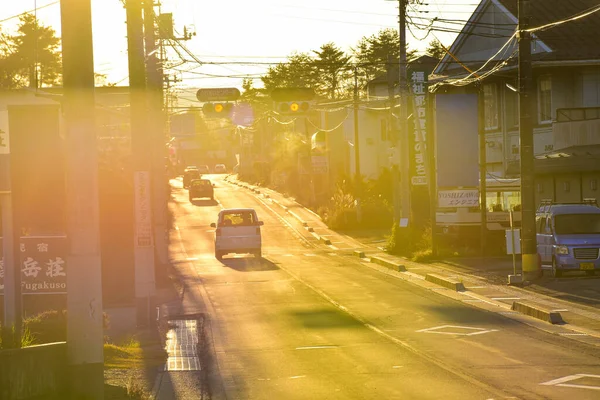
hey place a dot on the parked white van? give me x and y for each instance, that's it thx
(237, 231)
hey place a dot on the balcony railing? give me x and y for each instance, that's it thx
(576, 127)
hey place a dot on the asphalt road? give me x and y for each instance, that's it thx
(308, 322)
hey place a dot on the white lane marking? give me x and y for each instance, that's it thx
(397, 366)
(288, 255)
(297, 377)
(316, 347)
(310, 255)
(191, 259)
(477, 331)
(562, 381)
(562, 310)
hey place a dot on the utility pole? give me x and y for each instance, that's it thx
(528, 238)
(358, 185)
(403, 125)
(84, 281)
(482, 169)
(393, 132)
(156, 131)
(141, 148)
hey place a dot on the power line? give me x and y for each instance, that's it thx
(29, 12)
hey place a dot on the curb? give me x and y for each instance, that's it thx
(388, 263)
(552, 317)
(324, 240)
(445, 282)
(359, 254)
(293, 214)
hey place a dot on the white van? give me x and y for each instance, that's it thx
(237, 231)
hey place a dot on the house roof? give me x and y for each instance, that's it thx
(571, 41)
(575, 40)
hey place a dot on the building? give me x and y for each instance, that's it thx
(566, 76)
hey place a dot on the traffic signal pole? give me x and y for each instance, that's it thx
(528, 236)
(141, 147)
(84, 281)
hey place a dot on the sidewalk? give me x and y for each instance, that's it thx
(476, 280)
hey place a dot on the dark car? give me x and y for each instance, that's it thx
(201, 188)
(189, 174)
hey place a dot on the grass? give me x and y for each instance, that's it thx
(133, 354)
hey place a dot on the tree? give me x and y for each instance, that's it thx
(436, 49)
(31, 57)
(372, 52)
(298, 71)
(333, 69)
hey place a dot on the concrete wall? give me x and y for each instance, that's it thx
(34, 372)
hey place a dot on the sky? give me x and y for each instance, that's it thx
(250, 34)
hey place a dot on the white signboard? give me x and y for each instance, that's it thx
(319, 164)
(513, 236)
(458, 198)
(4, 139)
(143, 216)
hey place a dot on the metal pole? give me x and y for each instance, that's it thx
(84, 281)
(141, 147)
(156, 130)
(528, 238)
(482, 171)
(404, 151)
(512, 240)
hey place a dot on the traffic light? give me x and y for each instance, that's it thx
(293, 107)
(217, 110)
(292, 100)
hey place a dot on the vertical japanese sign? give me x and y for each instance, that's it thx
(43, 265)
(143, 219)
(4, 137)
(418, 136)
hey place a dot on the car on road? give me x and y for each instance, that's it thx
(200, 188)
(204, 169)
(189, 174)
(237, 231)
(220, 169)
(568, 236)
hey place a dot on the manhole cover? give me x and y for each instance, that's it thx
(182, 341)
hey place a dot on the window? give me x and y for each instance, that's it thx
(490, 106)
(238, 218)
(544, 99)
(511, 103)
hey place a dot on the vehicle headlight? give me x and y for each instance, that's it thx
(562, 250)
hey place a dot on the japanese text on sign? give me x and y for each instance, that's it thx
(143, 231)
(42, 265)
(458, 198)
(419, 139)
